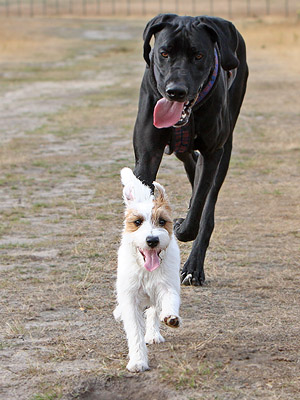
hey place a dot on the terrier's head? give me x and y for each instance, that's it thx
(148, 224)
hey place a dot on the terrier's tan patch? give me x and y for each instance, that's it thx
(162, 210)
(133, 220)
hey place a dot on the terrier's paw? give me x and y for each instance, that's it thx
(117, 314)
(172, 321)
(153, 338)
(137, 366)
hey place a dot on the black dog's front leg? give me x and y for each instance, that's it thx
(188, 228)
(149, 142)
(147, 165)
(193, 270)
(148, 153)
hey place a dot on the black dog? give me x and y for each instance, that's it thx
(190, 98)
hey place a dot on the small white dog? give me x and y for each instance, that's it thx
(148, 269)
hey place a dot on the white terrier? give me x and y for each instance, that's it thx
(148, 269)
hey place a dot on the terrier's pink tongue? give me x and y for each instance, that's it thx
(151, 260)
(167, 113)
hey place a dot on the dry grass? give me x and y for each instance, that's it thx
(68, 108)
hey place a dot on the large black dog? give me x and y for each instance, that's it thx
(190, 98)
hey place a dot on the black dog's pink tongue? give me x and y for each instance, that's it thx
(151, 260)
(167, 113)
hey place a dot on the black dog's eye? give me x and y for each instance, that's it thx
(162, 222)
(138, 222)
(164, 54)
(198, 56)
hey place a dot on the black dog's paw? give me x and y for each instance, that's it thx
(181, 232)
(177, 226)
(186, 279)
(189, 278)
(177, 222)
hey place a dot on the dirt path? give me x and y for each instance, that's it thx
(69, 91)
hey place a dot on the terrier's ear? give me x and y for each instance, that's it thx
(134, 189)
(128, 194)
(160, 193)
(127, 176)
(128, 191)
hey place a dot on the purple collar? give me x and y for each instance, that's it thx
(204, 92)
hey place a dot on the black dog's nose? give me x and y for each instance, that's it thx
(176, 92)
(152, 241)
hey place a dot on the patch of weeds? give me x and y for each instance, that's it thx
(32, 280)
(266, 171)
(58, 131)
(15, 329)
(275, 192)
(87, 249)
(82, 275)
(39, 205)
(41, 130)
(56, 220)
(41, 164)
(8, 246)
(20, 270)
(243, 263)
(87, 167)
(69, 174)
(230, 389)
(187, 376)
(5, 284)
(94, 255)
(241, 163)
(65, 132)
(47, 396)
(13, 214)
(4, 229)
(101, 217)
(186, 381)
(63, 352)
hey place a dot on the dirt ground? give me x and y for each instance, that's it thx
(69, 91)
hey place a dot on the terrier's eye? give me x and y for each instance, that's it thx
(162, 222)
(164, 54)
(138, 222)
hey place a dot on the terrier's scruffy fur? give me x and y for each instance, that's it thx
(148, 269)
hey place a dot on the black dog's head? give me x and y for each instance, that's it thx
(183, 59)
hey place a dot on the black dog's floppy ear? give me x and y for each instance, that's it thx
(153, 26)
(225, 34)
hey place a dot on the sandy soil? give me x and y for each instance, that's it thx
(69, 91)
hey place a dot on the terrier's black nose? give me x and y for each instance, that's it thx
(152, 241)
(176, 92)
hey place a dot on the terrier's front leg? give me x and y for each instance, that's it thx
(152, 327)
(170, 308)
(134, 326)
